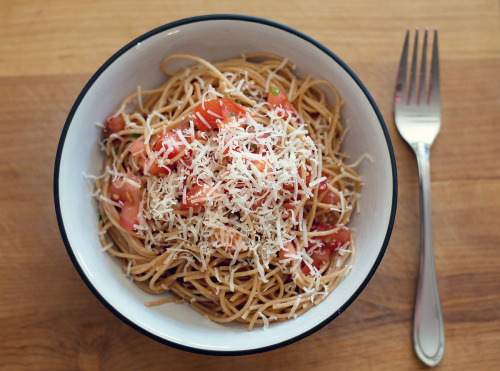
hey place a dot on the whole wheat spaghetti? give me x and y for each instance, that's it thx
(226, 187)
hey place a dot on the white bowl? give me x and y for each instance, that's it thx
(216, 37)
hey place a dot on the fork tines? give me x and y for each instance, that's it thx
(407, 91)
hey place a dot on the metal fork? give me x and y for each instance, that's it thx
(418, 119)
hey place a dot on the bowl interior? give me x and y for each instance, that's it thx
(138, 64)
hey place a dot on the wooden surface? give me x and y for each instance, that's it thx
(50, 320)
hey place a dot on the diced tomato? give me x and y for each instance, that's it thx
(154, 168)
(122, 189)
(320, 257)
(125, 191)
(196, 196)
(325, 195)
(322, 186)
(113, 125)
(334, 240)
(277, 98)
(287, 250)
(329, 198)
(129, 215)
(117, 191)
(186, 161)
(216, 111)
(171, 143)
(137, 146)
(231, 110)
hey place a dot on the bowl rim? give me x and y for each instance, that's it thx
(132, 44)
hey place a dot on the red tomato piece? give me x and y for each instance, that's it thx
(186, 161)
(127, 192)
(330, 198)
(287, 106)
(196, 197)
(154, 168)
(137, 146)
(207, 115)
(334, 240)
(287, 250)
(320, 257)
(277, 98)
(117, 191)
(129, 216)
(325, 195)
(134, 193)
(113, 125)
(123, 190)
(171, 144)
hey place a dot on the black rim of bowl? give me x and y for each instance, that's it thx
(202, 19)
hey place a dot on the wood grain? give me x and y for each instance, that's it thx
(49, 320)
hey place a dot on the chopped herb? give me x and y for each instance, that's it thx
(196, 128)
(100, 217)
(107, 217)
(135, 135)
(254, 146)
(274, 91)
(231, 114)
(116, 150)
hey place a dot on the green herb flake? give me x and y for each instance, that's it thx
(100, 217)
(274, 91)
(231, 114)
(135, 135)
(116, 150)
(254, 146)
(196, 128)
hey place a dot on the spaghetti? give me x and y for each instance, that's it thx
(226, 187)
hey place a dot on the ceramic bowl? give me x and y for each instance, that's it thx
(216, 37)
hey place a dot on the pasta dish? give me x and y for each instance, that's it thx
(226, 187)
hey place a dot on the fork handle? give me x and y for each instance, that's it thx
(428, 331)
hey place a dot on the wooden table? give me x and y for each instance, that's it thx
(50, 320)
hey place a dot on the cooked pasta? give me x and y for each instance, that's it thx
(226, 188)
